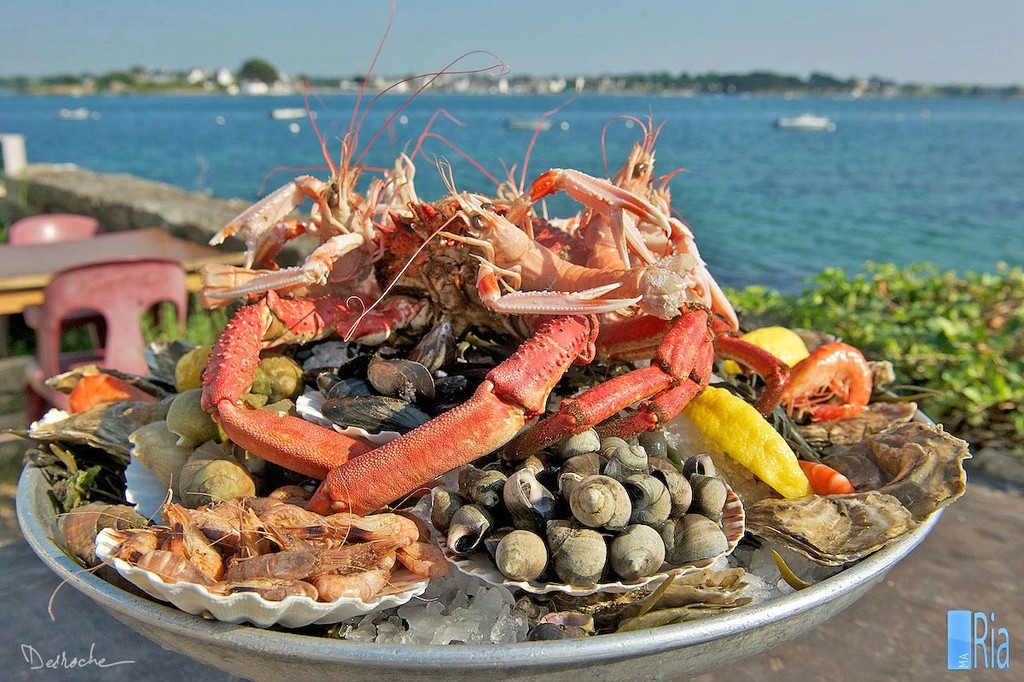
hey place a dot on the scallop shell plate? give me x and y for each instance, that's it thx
(480, 565)
(290, 612)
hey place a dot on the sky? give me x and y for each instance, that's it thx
(922, 41)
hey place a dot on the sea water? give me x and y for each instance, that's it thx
(900, 180)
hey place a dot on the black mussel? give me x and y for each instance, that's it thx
(403, 379)
(374, 413)
(354, 368)
(345, 388)
(452, 388)
(437, 348)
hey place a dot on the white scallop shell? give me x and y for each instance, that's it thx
(291, 612)
(479, 564)
(308, 405)
(144, 489)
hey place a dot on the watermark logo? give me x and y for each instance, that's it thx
(974, 641)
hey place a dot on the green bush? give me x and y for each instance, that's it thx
(960, 337)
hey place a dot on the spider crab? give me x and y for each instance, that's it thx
(388, 261)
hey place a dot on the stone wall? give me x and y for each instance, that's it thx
(119, 202)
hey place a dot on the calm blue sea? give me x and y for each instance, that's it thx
(907, 181)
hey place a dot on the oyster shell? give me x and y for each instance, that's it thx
(918, 464)
(831, 530)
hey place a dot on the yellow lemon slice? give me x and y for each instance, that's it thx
(734, 427)
(783, 343)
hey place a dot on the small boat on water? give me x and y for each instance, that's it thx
(530, 124)
(806, 122)
(77, 114)
(290, 113)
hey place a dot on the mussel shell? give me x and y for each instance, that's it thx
(436, 348)
(451, 388)
(530, 504)
(470, 524)
(637, 552)
(692, 538)
(579, 555)
(650, 500)
(624, 460)
(374, 413)
(403, 379)
(521, 555)
(443, 505)
(580, 444)
(482, 486)
(344, 388)
(709, 495)
(600, 502)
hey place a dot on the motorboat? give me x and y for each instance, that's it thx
(290, 113)
(806, 122)
(77, 114)
(530, 124)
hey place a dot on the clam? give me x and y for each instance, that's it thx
(469, 525)
(699, 464)
(483, 486)
(578, 554)
(692, 538)
(709, 495)
(374, 413)
(833, 529)
(637, 552)
(530, 504)
(651, 503)
(443, 505)
(211, 474)
(600, 502)
(680, 493)
(580, 444)
(562, 625)
(623, 459)
(403, 379)
(521, 555)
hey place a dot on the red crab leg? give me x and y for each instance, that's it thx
(681, 358)
(513, 392)
(288, 441)
(766, 365)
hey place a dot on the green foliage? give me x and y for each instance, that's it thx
(201, 325)
(257, 69)
(960, 336)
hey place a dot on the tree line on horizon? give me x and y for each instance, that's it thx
(753, 82)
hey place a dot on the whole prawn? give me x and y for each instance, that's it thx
(833, 382)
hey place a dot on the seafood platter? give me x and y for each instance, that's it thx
(467, 422)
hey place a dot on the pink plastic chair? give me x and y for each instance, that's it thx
(52, 227)
(55, 227)
(120, 291)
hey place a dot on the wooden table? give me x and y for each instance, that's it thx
(26, 269)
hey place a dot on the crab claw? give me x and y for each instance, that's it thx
(512, 393)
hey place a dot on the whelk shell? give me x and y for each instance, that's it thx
(521, 555)
(469, 525)
(637, 552)
(483, 486)
(623, 459)
(600, 502)
(530, 504)
(579, 554)
(651, 504)
(692, 538)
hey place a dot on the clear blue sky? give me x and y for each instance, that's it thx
(927, 41)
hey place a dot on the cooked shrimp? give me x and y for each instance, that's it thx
(834, 371)
(364, 585)
(825, 480)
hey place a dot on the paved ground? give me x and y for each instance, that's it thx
(897, 632)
